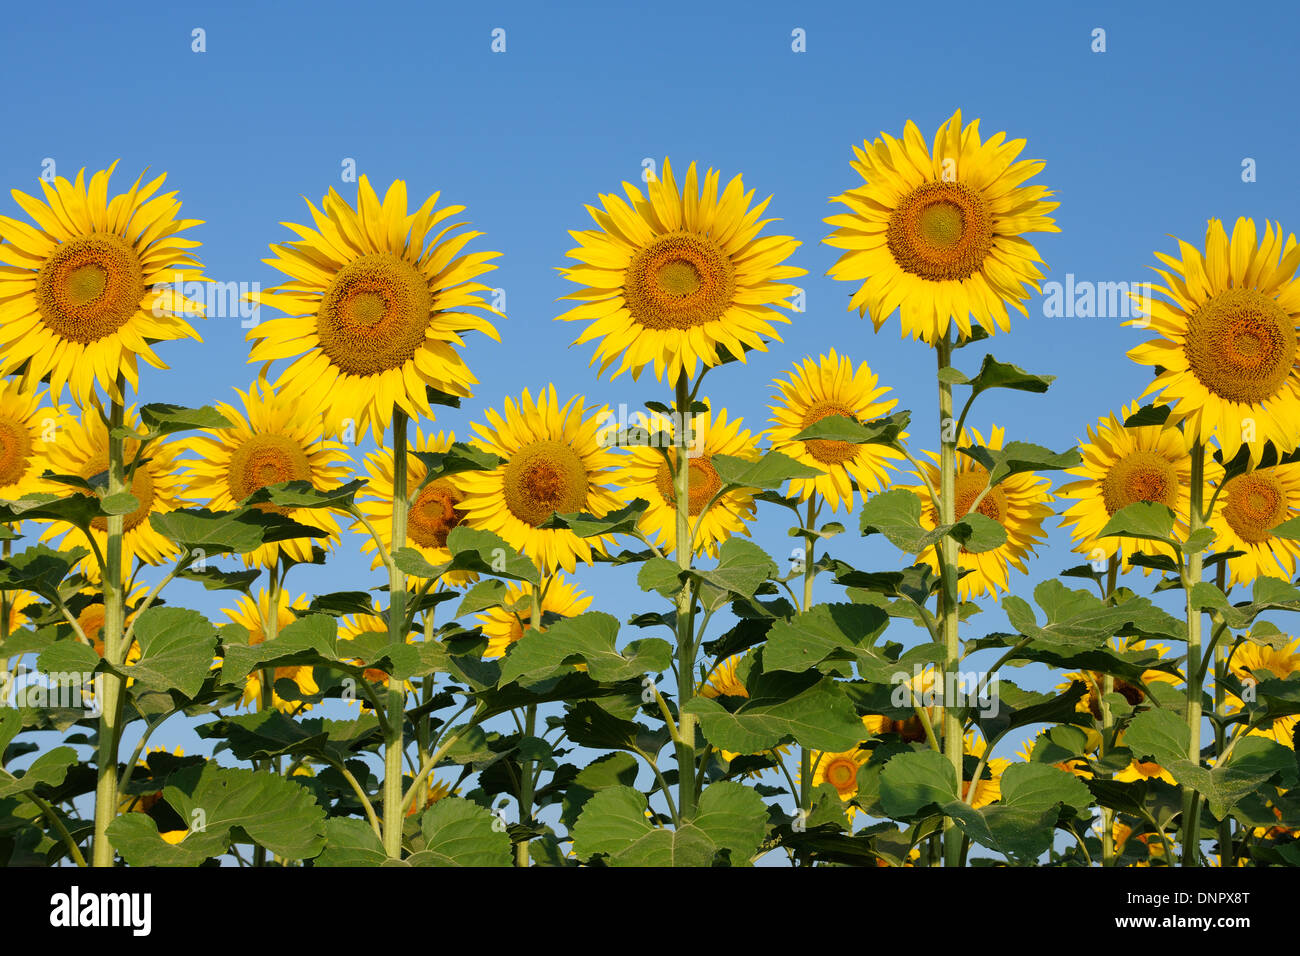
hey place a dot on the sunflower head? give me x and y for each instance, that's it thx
(1120, 466)
(24, 429)
(268, 442)
(679, 278)
(1250, 506)
(255, 615)
(377, 304)
(553, 462)
(828, 387)
(936, 232)
(506, 623)
(93, 284)
(1225, 352)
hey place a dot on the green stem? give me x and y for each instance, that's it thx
(685, 604)
(110, 720)
(526, 766)
(1107, 723)
(948, 596)
(1191, 806)
(394, 741)
(1227, 853)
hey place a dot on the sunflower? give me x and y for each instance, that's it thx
(505, 624)
(1122, 466)
(646, 474)
(679, 278)
(80, 449)
(429, 519)
(1019, 504)
(85, 292)
(1250, 506)
(270, 442)
(1145, 770)
(554, 462)
(988, 789)
(144, 802)
(840, 770)
(817, 390)
(1090, 702)
(937, 233)
(90, 619)
(1256, 662)
(24, 426)
(376, 304)
(1225, 358)
(19, 602)
(912, 729)
(253, 615)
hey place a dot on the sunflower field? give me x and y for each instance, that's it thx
(473, 702)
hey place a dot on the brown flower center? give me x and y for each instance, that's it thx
(15, 451)
(1241, 345)
(1254, 504)
(545, 477)
(265, 460)
(374, 315)
(434, 514)
(702, 483)
(141, 486)
(89, 287)
(824, 450)
(941, 231)
(1140, 476)
(679, 281)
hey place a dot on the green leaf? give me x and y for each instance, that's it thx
(227, 532)
(729, 817)
(621, 521)
(307, 640)
(897, 515)
(50, 769)
(176, 650)
(769, 472)
(77, 510)
(39, 569)
(1160, 734)
(838, 631)
(474, 549)
(460, 457)
(1018, 457)
(1148, 415)
(221, 804)
(162, 419)
(1143, 519)
(879, 431)
(350, 842)
(818, 716)
(995, 374)
(917, 779)
(1020, 834)
(460, 833)
(590, 638)
(1079, 620)
(68, 657)
(661, 575)
(303, 494)
(742, 567)
(1038, 786)
(122, 503)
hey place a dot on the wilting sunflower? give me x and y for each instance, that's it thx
(80, 449)
(507, 623)
(554, 462)
(679, 278)
(24, 426)
(270, 442)
(253, 616)
(429, 519)
(817, 390)
(1094, 681)
(1257, 662)
(1250, 506)
(377, 304)
(1019, 504)
(937, 232)
(645, 474)
(1226, 352)
(87, 291)
(1122, 466)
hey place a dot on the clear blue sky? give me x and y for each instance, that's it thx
(1142, 141)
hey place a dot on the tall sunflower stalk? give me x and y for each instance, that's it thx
(685, 617)
(395, 709)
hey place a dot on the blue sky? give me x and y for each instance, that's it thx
(1142, 141)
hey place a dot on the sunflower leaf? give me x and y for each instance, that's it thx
(879, 431)
(39, 568)
(227, 532)
(769, 472)
(622, 521)
(76, 510)
(912, 781)
(1158, 734)
(1018, 457)
(303, 494)
(835, 631)
(730, 818)
(307, 641)
(589, 638)
(162, 419)
(742, 568)
(995, 374)
(473, 549)
(782, 706)
(460, 833)
(1148, 415)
